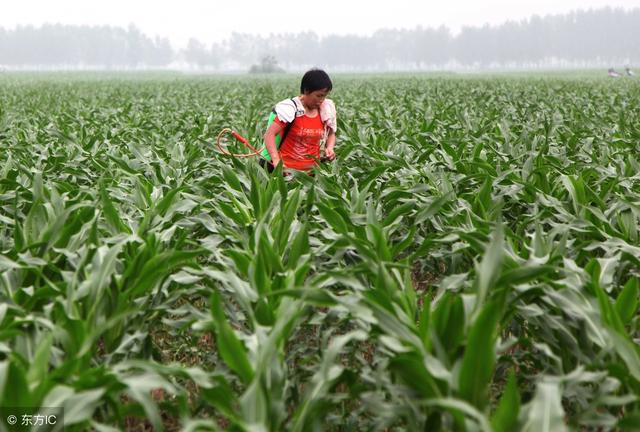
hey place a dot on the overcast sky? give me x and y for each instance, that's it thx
(212, 21)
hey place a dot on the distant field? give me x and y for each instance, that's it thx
(469, 262)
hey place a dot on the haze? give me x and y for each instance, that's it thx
(214, 21)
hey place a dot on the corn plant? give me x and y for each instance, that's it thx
(469, 262)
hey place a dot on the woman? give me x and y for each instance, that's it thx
(299, 124)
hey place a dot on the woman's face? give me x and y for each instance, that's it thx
(314, 99)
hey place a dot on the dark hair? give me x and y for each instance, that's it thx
(315, 79)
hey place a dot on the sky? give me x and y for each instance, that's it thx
(213, 21)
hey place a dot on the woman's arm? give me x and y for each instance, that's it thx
(270, 142)
(329, 145)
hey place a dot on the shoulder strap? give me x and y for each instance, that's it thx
(299, 109)
(287, 128)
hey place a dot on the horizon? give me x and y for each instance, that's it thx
(197, 19)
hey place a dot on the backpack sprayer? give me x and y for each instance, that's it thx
(262, 151)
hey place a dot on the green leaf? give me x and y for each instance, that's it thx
(380, 242)
(483, 201)
(333, 218)
(40, 363)
(110, 213)
(411, 368)
(14, 387)
(457, 406)
(407, 241)
(628, 351)
(81, 406)
(505, 419)
(259, 274)
(222, 397)
(449, 320)
(397, 212)
(424, 323)
(545, 412)
(255, 197)
(630, 422)
(159, 267)
(231, 178)
(490, 267)
(433, 208)
(520, 275)
(231, 348)
(479, 357)
(166, 201)
(627, 302)
(267, 251)
(299, 247)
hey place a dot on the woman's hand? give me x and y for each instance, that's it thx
(329, 153)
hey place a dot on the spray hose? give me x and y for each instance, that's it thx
(238, 137)
(243, 140)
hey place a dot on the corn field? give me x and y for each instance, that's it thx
(470, 261)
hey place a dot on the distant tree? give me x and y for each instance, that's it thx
(268, 64)
(4, 45)
(196, 53)
(605, 36)
(433, 46)
(135, 47)
(160, 54)
(301, 49)
(244, 48)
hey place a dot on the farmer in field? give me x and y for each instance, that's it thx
(613, 74)
(298, 125)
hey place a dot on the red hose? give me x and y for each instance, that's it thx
(240, 138)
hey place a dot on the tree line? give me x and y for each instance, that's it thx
(595, 37)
